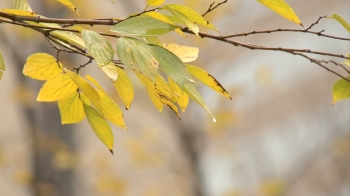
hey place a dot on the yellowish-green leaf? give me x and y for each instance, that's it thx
(22, 5)
(187, 14)
(341, 90)
(185, 53)
(194, 94)
(19, 12)
(155, 2)
(181, 17)
(84, 98)
(282, 8)
(341, 21)
(181, 98)
(98, 47)
(124, 88)
(1, 75)
(42, 66)
(57, 88)
(70, 5)
(71, 109)
(2, 62)
(88, 90)
(207, 79)
(100, 126)
(164, 18)
(152, 40)
(347, 61)
(111, 71)
(138, 56)
(143, 26)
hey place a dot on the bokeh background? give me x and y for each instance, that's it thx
(280, 134)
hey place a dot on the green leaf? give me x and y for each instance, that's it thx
(172, 65)
(100, 126)
(42, 66)
(143, 26)
(71, 109)
(70, 5)
(341, 90)
(166, 18)
(57, 88)
(155, 2)
(88, 90)
(22, 5)
(194, 94)
(152, 40)
(124, 88)
(186, 14)
(138, 56)
(282, 8)
(98, 46)
(207, 79)
(341, 21)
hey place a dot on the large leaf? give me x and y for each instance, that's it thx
(138, 56)
(42, 66)
(110, 109)
(124, 88)
(22, 5)
(172, 65)
(88, 90)
(71, 109)
(341, 90)
(57, 88)
(182, 98)
(194, 94)
(70, 5)
(282, 8)
(341, 21)
(155, 2)
(185, 53)
(143, 26)
(100, 126)
(98, 46)
(207, 79)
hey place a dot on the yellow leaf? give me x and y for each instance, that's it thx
(207, 79)
(185, 53)
(84, 98)
(181, 98)
(70, 5)
(19, 12)
(111, 71)
(100, 126)
(2, 65)
(282, 8)
(110, 109)
(88, 90)
(22, 5)
(57, 88)
(42, 66)
(164, 18)
(155, 2)
(124, 88)
(341, 21)
(71, 109)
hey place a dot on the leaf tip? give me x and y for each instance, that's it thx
(111, 150)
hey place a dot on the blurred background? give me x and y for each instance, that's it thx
(279, 135)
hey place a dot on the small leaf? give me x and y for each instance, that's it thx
(111, 71)
(194, 94)
(71, 109)
(22, 5)
(341, 90)
(143, 26)
(138, 56)
(155, 2)
(282, 8)
(347, 61)
(100, 126)
(124, 88)
(2, 62)
(185, 53)
(57, 88)
(172, 65)
(98, 46)
(42, 66)
(341, 21)
(182, 98)
(88, 90)
(70, 5)
(207, 79)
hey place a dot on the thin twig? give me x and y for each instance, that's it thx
(336, 64)
(211, 8)
(313, 24)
